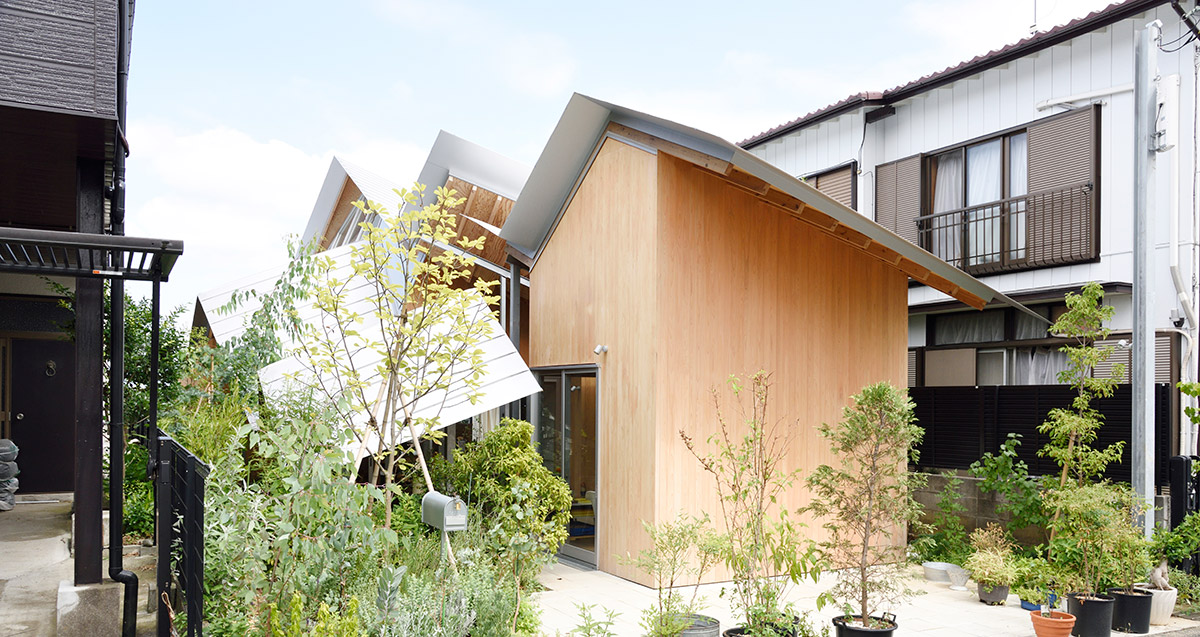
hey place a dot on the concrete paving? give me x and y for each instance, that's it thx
(937, 612)
(33, 560)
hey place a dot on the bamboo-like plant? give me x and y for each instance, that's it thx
(867, 500)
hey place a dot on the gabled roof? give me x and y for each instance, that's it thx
(373, 187)
(1044, 39)
(585, 123)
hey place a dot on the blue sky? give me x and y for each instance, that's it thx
(235, 109)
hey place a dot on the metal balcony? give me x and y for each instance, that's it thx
(1047, 228)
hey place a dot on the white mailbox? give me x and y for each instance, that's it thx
(445, 512)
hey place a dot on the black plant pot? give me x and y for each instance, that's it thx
(841, 629)
(1093, 614)
(782, 630)
(1131, 611)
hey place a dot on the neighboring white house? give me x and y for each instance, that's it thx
(1018, 167)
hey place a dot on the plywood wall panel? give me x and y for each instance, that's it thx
(594, 285)
(743, 286)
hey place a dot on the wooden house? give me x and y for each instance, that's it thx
(661, 260)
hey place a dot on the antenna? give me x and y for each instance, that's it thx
(1033, 27)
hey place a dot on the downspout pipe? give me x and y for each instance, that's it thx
(116, 427)
(1182, 290)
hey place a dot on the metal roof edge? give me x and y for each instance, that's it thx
(1026, 46)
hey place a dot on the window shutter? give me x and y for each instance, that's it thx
(898, 196)
(912, 368)
(1063, 153)
(885, 195)
(839, 185)
(908, 197)
(1162, 358)
(1116, 356)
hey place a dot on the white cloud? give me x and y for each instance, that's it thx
(232, 198)
(538, 64)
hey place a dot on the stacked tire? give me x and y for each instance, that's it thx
(8, 474)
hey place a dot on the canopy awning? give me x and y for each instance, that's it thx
(86, 255)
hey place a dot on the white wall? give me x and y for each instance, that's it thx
(1005, 97)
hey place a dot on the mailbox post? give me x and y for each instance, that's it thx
(445, 512)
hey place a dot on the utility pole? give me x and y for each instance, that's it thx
(1145, 115)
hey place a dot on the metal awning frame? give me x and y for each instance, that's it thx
(86, 255)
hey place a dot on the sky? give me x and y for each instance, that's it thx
(237, 108)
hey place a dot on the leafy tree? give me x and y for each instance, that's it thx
(1071, 431)
(868, 499)
(761, 541)
(405, 316)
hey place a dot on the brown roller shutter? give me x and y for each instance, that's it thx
(885, 195)
(898, 196)
(839, 184)
(1063, 154)
(908, 197)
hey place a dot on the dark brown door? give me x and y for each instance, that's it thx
(42, 373)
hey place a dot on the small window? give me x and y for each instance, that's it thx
(968, 327)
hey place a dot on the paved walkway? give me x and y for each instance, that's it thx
(34, 558)
(939, 612)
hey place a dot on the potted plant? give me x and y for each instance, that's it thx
(1085, 539)
(1036, 583)
(761, 546)
(683, 549)
(992, 564)
(866, 502)
(1131, 552)
(1167, 547)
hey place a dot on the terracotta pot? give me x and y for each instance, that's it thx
(1058, 624)
(1162, 605)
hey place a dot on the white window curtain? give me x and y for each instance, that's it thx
(1028, 327)
(1018, 185)
(984, 186)
(945, 231)
(972, 327)
(1038, 365)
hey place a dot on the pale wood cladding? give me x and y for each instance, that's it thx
(730, 284)
(345, 205)
(594, 285)
(744, 286)
(486, 206)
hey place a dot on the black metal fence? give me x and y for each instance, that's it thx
(179, 478)
(962, 423)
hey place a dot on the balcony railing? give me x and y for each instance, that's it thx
(1051, 227)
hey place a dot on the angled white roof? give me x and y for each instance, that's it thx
(581, 127)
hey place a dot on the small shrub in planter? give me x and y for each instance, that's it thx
(762, 546)
(866, 502)
(681, 550)
(992, 563)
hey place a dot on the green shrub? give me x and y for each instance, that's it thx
(139, 509)
(502, 479)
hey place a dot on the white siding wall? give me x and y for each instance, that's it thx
(1006, 97)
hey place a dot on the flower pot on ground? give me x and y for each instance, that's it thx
(699, 626)
(1131, 610)
(866, 502)
(761, 546)
(1162, 603)
(852, 626)
(958, 578)
(996, 595)
(1093, 614)
(1052, 623)
(992, 563)
(680, 551)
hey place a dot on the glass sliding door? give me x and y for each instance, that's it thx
(567, 429)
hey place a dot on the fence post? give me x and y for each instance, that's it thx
(193, 547)
(165, 527)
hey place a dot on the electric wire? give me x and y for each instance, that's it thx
(1180, 47)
